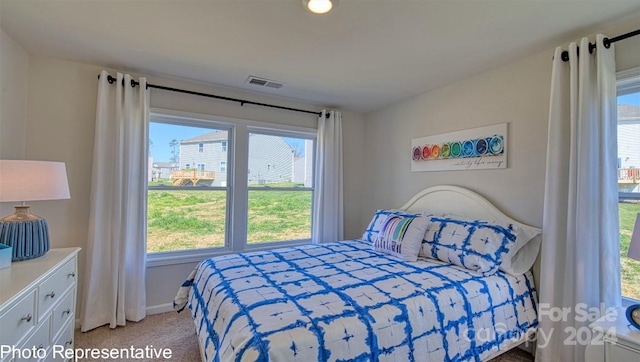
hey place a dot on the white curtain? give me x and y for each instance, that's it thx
(328, 221)
(114, 280)
(580, 261)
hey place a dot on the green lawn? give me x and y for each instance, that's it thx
(630, 269)
(186, 219)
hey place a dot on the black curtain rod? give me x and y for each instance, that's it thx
(607, 43)
(242, 102)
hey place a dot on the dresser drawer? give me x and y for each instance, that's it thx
(38, 343)
(62, 343)
(52, 289)
(619, 353)
(18, 321)
(63, 312)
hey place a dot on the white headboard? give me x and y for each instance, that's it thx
(456, 200)
(447, 199)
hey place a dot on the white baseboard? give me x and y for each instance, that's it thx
(154, 309)
(160, 308)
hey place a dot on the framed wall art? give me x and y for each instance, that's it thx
(470, 149)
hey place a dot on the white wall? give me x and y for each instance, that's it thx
(517, 93)
(59, 125)
(14, 74)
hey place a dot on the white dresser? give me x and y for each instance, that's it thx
(37, 306)
(615, 340)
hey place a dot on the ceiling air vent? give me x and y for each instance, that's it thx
(262, 82)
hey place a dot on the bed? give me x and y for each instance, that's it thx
(345, 301)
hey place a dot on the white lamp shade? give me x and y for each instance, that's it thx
(33, 180)
(634, 247)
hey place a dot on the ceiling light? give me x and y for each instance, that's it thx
(318, 6)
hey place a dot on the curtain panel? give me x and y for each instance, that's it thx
(580, 257)
(114, 282)
(328, 205)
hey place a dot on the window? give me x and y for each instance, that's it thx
(186, 208)
(189, 213)
(280, 187)
(629, 175)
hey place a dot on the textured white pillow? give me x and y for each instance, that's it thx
(401, 236)
(523, 253)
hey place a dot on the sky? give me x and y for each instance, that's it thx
(633, 98)
(161, 134)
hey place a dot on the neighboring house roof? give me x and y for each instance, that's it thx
(211, 136)
(628, 112)
(166, 164)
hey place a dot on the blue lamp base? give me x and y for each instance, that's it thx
(633, 315)
(28, 238)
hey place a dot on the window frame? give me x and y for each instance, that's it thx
(628, 82)
(236, 185)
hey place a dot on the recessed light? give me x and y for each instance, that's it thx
(319, 6)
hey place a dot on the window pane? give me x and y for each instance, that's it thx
(279, 215)
(186, 156)
(629, 187)
(185, 219)
(278, 161)
(183, 212)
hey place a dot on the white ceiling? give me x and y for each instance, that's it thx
(363, 55)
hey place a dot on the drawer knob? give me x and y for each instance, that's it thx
(51, 295)
(41, 346)
(68, 311)
(27, 318)
(68, 343)
(71, 275)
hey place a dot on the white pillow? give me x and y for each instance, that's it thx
(401, 236)
(523, 253)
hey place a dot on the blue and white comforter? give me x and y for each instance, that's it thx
(343, 301)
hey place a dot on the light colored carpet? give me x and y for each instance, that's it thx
(177, 332)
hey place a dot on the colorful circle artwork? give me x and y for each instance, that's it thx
(467, 148)
(481, 146)
(417, 153)
(445, 150)
(456, 149)
(426, 152)
(496, 145)
(435, 151)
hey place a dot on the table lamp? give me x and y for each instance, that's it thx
(22, 181)
(633, 312)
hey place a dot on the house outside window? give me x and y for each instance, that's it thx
(188, 209)
(629, 175)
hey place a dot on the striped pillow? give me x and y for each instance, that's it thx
(371, 233)
(401, 236)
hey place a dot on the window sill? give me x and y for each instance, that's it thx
(197, 255)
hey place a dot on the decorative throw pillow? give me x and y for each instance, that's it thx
(476, 245)
(401, 236)
(371, 233)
